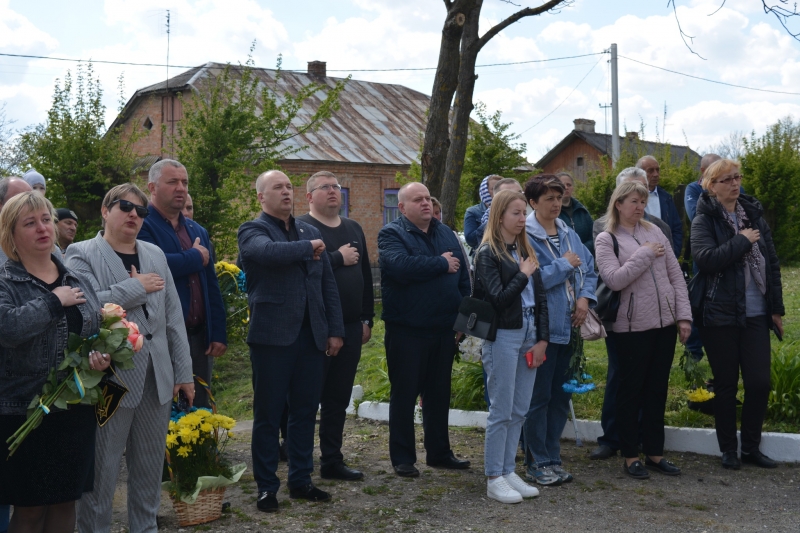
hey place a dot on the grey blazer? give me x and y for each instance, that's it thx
(168, 346)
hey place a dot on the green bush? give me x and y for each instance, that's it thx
(784, 394)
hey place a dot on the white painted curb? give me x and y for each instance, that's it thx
(783, 447)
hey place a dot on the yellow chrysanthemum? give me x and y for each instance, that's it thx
(172, 440)
(173, 425)
(230, 434)
(699, 395)
(205, 427)
(184, 451)
(185, 434)
(195, 435)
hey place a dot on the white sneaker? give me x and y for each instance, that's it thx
(525, 490)
(499, 489)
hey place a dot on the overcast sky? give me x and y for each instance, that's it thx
(741, 45)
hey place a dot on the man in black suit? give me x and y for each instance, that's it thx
(295, 322)
(346, 248)
(423, 279)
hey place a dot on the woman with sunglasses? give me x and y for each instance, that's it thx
(134, 274)
(740, 298)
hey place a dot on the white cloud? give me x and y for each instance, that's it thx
(18, 34)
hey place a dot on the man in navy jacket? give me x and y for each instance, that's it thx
(295, 322)
(661, 204)
(424, 276)
(186, 245)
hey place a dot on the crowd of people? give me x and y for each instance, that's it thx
(535, 255)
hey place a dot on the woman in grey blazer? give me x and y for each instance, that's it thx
(135, 275)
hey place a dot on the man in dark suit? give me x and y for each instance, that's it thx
(660, 203)
(186, 245)
(424, 276)
(346, 248)
(295, 321)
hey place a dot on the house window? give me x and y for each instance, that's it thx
(580, 161)
(344, 211)
(390, 210)
(148, 124)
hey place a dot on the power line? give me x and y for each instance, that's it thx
(26, 56)
(709, 80)
(565, 99)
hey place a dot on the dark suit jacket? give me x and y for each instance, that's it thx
(282, 279)
(669, 214)
(181, 263)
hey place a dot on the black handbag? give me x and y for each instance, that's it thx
(607, 300)
(476, 318)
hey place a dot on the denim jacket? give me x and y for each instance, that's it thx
(33, 332)
(555, 271)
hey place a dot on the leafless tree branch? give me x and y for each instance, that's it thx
(783, 14)
(717, 10)
(684, 35)
(552, 5)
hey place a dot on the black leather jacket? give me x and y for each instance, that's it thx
(500, 282)
(718, 253)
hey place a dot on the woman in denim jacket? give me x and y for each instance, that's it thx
(41, 303)
(568, 274)
(507, 276)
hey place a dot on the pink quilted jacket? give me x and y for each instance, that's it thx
(645, 302)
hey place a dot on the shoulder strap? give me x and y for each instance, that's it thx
(616, 244)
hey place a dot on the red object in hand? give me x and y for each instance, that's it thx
(529, 358)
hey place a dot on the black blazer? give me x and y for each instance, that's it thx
(500, 282)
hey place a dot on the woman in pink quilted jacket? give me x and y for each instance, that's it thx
(654, 309)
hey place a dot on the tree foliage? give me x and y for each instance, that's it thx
(80, 161)
(234, 128)
(771, 169)
(10, 156)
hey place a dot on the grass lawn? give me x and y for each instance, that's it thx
(234, 393)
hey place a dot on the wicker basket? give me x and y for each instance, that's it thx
(207, 508)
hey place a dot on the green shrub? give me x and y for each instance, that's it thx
(784, 394)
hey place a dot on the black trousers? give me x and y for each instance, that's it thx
(645, 359)
(337, 388)
(291, 372)
(419, 366)
(202, 364)
(728, 349)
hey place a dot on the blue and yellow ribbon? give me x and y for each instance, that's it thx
(43, 407)
(78, 382)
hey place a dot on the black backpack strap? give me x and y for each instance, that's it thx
(616, 244)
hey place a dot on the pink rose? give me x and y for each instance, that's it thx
(132, 326)
(110, 310)
(136, 340)
(119, 324)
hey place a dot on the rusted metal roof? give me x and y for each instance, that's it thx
(377, 123)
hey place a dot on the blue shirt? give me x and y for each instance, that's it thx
(528, 300)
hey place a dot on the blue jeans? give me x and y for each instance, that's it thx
(510, 384)
(5, 511)
(549, 409)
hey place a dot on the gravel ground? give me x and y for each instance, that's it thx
(704, 498)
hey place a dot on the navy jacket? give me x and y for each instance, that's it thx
(669, 214)
(282, 279)
(473, 228)
(417, 290)
(181, 263)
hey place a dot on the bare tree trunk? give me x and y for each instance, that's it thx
(462, 108)
(437, 140)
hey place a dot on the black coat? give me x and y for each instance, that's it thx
(500, 282)
(718, 252)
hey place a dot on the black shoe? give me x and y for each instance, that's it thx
(602, 452)
(340, 471)
(309, 492)
(731, 461)
(267, 502)
(450, 462)
(662, 467)
(406, 470)
(282, 451)
(759, 459)
(636, 470)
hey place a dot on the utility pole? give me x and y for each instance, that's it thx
(614, 107)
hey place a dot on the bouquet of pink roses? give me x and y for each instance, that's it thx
(118, 337)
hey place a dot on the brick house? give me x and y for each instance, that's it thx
(374, 135)
(581, 150)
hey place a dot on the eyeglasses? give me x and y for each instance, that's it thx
(327, 187)
(126, 207)
(730, 179)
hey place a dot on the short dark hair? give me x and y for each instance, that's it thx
(538, 186)
(504, 181)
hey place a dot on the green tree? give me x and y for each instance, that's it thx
(10, 156)
(491, 149)
(771, 169)
(232, 130)
(80, 161)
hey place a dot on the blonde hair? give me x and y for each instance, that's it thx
(11, 213)
(718, 169)
(492, 236)
(619, 195)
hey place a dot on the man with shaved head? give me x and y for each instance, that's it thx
(694, 189)
(295, 322)
(660, 203)
(11, 186)
(424, 277)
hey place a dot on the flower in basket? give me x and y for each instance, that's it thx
(74, 382)
(195, 444)
(580, 382)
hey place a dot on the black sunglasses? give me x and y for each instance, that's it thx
(126, 207)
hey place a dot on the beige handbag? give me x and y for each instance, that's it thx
(592, 328)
